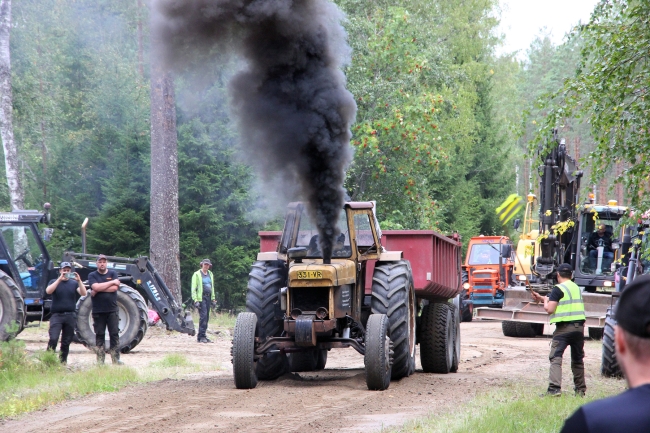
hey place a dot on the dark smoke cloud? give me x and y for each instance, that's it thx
(290, 102)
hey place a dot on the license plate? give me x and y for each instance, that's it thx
(310, 275)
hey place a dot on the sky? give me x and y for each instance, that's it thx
(521, 20)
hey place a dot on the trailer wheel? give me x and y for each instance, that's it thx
(509, 328)
(437, 345)
(456, 360)
(133, 313)
(12, 308)
(609, 365)
(243, 351)
(377, 358)
(526, 330)
(322, 359)
(595, 333)
(264, 283)
(393, 295)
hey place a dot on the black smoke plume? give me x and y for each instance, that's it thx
(290, 102)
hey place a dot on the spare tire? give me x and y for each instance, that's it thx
(133, 314)
(12, 308)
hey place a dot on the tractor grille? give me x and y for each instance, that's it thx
(308, 299)
(479, 275)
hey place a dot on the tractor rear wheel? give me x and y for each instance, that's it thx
(437, 345)
(264, 283)
(466, 307)
(509, 328)
(12, 308)
(377, 358)
(393, 295)
(609, 365)
(303, 361)
(243, 351)
(134, 320)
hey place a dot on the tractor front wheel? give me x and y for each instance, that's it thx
(243, 351)
(377, 358)
(12, 308)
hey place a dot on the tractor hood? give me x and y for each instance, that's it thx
(317, 274)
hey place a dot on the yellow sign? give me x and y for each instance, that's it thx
(509, 208)
(310, 275)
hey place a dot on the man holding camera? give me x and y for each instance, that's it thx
(104, 284)
(567, 311)
(203, 296)
(64, 292)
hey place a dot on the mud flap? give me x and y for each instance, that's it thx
(305, 332)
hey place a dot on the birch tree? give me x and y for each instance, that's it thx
(16, 192)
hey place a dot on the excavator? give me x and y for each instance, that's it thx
(562, 233)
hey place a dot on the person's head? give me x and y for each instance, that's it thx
(564, 272)
(206, 265)
(632, 333)
(601, 229)
(102, 263)
(65, 269)
(485, 255)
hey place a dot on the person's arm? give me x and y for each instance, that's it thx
(81, 289)
(195, 288)
(549, 306)
(105, 287)
(53, 285)
(212, 283)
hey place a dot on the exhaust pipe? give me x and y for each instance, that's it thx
(83, 235)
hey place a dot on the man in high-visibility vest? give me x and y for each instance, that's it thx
(567, 311)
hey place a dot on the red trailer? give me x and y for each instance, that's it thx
(378, 293)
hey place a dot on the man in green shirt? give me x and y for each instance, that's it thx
(203, 296)
(567, 311)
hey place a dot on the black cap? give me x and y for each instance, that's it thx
(633, 310)
(101, 256)
(206, 261)
(65, 265)
(564, 268)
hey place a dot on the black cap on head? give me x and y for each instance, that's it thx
(101, 256)
(65, 265)
(565, 270)
(633, 310)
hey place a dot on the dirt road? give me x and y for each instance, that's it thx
(333, 400)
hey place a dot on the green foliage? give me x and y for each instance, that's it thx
(173, 360)
(610, 89)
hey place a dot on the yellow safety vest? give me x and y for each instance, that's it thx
(571, 307)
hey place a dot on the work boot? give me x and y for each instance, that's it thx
(101, 356)
(115, 357)
(64, 359)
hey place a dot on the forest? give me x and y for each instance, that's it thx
(445, 130)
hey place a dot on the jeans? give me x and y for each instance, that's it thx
(204, 314)
(110, 321)
(573, 335)
(607, 260)
(62, 324)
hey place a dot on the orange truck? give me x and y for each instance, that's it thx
(487, 271)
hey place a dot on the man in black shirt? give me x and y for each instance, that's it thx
(628, 412)
(104, 284)
(600, 238)
(64, 292)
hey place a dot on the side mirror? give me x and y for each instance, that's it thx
(615, 244)
(517, 223)
(297, 254)
(506, 250)
(46, 234)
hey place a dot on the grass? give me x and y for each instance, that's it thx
(514, 408)
(217, 320)
(31, 382)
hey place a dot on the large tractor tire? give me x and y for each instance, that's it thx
(12, 308)
(377, 358)
(437, 345)
(393, 295)
(243, 351)
(466, 307)
(134, 320)
(312, 360)
(609, 365)
(509, 328)
(264, 283)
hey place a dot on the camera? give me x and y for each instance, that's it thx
(70, 275)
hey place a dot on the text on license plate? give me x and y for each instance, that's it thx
(310, 275)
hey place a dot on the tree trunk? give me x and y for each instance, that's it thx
(16, 192)
(164, 239)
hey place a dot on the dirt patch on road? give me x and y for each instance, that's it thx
(335, 399)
